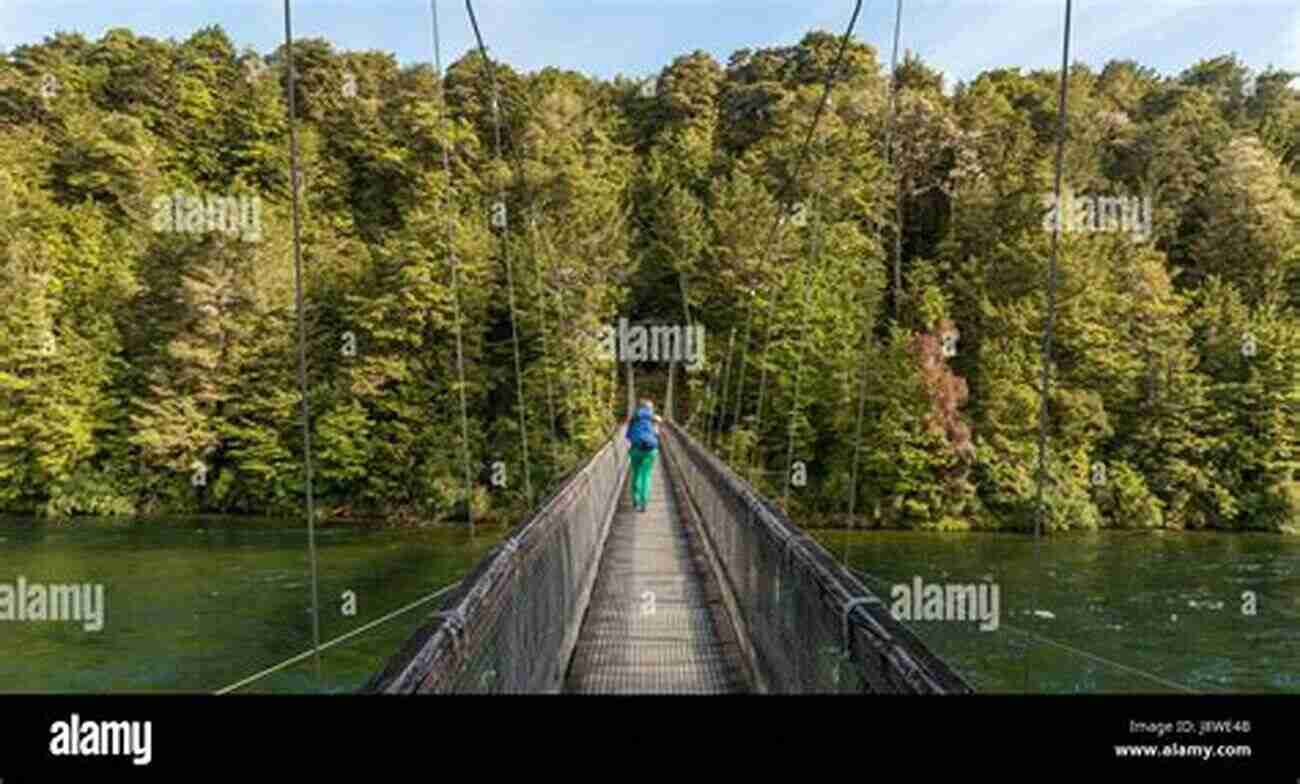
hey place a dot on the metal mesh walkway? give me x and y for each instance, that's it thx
(653, 625)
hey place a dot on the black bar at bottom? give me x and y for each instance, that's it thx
(333, 738)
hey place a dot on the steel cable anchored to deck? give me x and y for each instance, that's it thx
(455, 266)
(501, 219)
(336, 641)
(785, 210)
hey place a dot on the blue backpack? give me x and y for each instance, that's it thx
(642, 432)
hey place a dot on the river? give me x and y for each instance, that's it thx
(201, 605)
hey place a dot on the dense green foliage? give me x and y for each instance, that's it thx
(146, 369)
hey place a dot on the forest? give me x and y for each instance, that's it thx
(874, 309)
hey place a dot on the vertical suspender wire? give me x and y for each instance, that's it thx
(740, 377)
(548, 370)
(455, 267)
(1044, 412)
(686, 363)
(716, 389)
(533, 241)
(756, 448)
(831, 75)
(296, 181)
(505, 252)
(707, 404)
(1051, 276)
(541, 304)
(631, 389)
(690, 335)
(898, 182)
(862, 382)
(803, 339)
(715, 386)
(547, 367)
(857, 451)
(692, 410)
(533, 236)
(783, 209)
(722, 387)
(668, 396)
(560, 310)
(690, 326)
(613, 380)
(672, 360)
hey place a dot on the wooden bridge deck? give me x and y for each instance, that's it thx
(654, 623)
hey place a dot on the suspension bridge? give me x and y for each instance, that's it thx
(711, 590)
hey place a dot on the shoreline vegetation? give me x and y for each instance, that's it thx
(147, 292)
(502, 525)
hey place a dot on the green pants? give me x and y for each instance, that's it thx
(643, 465)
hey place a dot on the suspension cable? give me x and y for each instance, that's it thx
(803, 340)
(296, 177)
(455, 266)
(898, 183)
(505, 252)
(862, 383)
(1044, 413)
(789, 183)
(803, 157)
(1050, 326)
(541, 305)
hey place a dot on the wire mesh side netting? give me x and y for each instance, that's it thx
(812, 626)
(510, 626)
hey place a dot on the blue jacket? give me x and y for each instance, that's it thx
(641, 431)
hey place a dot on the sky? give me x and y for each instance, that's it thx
(638, 37)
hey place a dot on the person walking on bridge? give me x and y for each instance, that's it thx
(643, 435)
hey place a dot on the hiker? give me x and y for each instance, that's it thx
(643, 434)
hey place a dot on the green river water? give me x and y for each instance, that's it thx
(199, 605)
